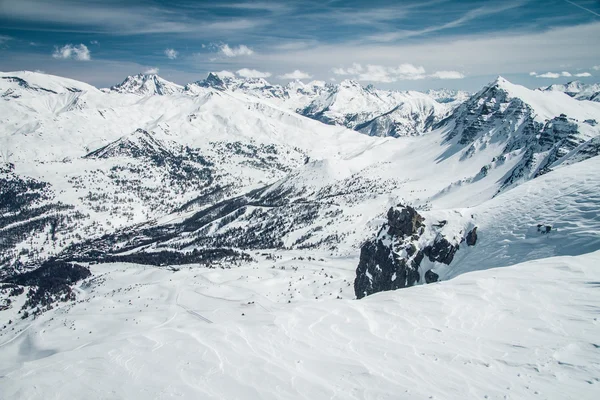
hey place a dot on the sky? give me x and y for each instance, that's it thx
(392, 44)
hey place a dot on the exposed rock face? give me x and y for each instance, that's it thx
(392, 260)
(404, 222)
(381, 269)
(441, 250)
(472, 237)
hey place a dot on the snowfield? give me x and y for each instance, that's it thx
(525, 332)
(224, 223)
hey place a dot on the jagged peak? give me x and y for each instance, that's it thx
(350, 83)
(139, 143)
(146, 84)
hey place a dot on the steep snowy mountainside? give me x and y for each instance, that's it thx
(576, 89)
(526, 332)
(376, 112)
(566, 200)
(508, 122)
(146, 84)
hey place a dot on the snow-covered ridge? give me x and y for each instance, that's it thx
(146, 84)
(576, 89)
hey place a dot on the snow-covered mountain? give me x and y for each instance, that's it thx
(577, 90)
(531, 130)
(451, 97)
(376, 112)
(146, 84)
(293, 96)
(220, 213)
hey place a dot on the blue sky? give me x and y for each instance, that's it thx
(391, 44)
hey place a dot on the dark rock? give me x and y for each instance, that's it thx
(431, 276)
(380, 269)
(392, 260)
(441, 251)
(472, 237)
(544, 229)
(404, 222)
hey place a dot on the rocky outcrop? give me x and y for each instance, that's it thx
(471, 238)
(392, 260)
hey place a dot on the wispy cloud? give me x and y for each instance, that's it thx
(252, 73)
(380, 73)
(556, 75)
(583, 8)
(549, 75)
(171, 53)
(79, 52)
(467, 17)
(118, 18)
(241, 50)
(296, 74)
(4, 39)
(447, 75)
(151, 71)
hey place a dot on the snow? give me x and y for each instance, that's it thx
(549, 104)
(515, 316)
(527, 331)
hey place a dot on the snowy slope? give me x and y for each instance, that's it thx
(524, 332)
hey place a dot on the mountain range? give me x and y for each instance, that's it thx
(227, 198)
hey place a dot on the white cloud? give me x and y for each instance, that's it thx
(151, 71)
(355, 69)
(80, 52)
(549, 75)
(447, 75)
(241, 50)
(376, 73)
(596, 67)
(556, 75)
(93, 42)
(171, 53)
(297, 74)
(532, 73)
(503, 53)
(380, 73)
(252, 73)
(224, 74)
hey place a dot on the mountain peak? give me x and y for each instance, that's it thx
(350, 83)
(146, 84)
